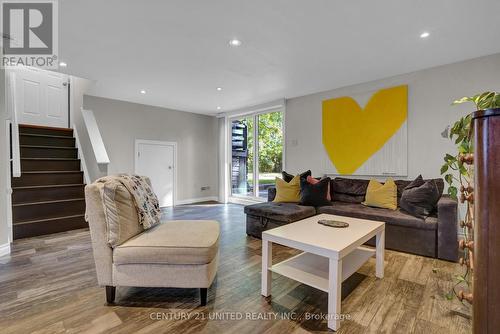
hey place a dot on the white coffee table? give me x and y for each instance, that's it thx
(330, 255)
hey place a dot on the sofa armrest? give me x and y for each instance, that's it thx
(447, 229)
(271, 194)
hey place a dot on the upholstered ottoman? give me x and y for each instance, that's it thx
(268, 215)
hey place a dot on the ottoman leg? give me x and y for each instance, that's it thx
(203, 296)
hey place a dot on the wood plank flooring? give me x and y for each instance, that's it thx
(48, 285)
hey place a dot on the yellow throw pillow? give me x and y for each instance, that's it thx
(287, 192)
(382, 195)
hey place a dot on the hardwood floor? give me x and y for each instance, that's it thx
(48, 285)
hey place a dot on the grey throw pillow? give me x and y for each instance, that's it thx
(420, 198)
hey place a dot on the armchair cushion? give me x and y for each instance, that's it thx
(172, 242)
(122, 221)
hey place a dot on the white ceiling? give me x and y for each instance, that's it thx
(178, 50)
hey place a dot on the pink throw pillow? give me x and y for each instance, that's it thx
(312, 180)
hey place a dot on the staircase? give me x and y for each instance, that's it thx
(49, 195)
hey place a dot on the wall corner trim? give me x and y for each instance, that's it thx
(101, 156)
(5, 249)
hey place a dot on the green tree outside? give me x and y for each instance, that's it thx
(270, 141)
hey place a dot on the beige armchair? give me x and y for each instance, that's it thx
(179, 254)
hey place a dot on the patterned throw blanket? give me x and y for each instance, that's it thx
(146, 202)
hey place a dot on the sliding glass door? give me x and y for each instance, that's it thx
(242, 161)
(270, 150)
(256, 153)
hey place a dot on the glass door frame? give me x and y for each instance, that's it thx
(255, 171)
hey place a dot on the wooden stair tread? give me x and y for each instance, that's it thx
(46, 219)
(51, 172)
(49, 202)
(44, 127)
(50, 186)
(51, 147)
(44, 136)
(51, 159)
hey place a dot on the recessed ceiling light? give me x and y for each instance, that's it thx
(235, 42)
(219, 108)
(219, 88)
(143, 91)
(424, 34)
(63, 64)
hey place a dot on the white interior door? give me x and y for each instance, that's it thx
(156, 160)
(41, 97)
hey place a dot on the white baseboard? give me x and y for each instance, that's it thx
(196, 200)
(5, 249)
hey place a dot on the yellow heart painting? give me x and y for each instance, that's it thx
(351, 135)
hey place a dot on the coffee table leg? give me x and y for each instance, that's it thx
(334, 293)
(380, 245)
(267, 262)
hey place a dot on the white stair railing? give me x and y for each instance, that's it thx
(81, 156)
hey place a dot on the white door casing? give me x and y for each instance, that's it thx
(41, 97)
(158, 161)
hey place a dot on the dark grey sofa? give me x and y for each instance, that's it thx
(435, 236)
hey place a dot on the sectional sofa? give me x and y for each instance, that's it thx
(434, 236)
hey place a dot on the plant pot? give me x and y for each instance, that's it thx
(486, 303)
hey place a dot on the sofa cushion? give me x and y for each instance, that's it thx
(354, 190)
(172, 242)
(284, 212)
(349, 190)
(394, 217)
(122, 222)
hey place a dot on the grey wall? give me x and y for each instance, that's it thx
(430, 92)
(120, 123)
(4, 161)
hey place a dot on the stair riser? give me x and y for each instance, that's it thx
(52, 226)
(48, 165)
(47, 141)
(35, 152)
(47, 194)
(47, 210)
(47, 179)
(45, 131)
